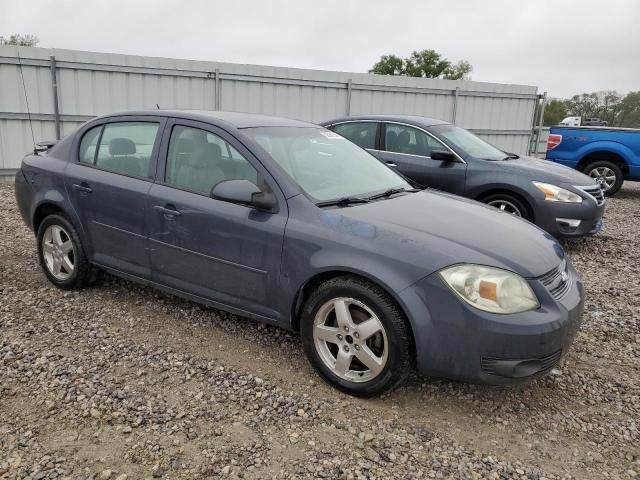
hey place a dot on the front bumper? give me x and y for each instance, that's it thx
(455, 340)
(552, 216)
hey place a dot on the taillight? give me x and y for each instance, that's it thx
(553, 141)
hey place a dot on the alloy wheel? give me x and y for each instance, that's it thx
(506, 206)
(58, 252)
(604, 176)
(350, 339)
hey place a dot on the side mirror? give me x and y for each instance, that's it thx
(443, 155)
(244, 192)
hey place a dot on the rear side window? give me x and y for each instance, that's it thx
(126, 148)
(198, 160)
(89, 144)
(409, 140)
(362, 134)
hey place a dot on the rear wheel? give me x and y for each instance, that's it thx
(608, 174)
(356, 337)
(509, 204)
(61, 254)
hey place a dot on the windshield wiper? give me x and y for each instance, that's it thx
(391, 191)
(342, 202)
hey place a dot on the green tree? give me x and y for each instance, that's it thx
(425, 63)
(629, 111)
(26, 40)
(389, 65)
(555, 111)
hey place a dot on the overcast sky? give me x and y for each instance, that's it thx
(563, 47)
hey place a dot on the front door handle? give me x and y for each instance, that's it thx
(390, 164)
(83, 188)
(168, 211)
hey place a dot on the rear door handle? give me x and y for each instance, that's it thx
(390, 164)
(168, 211)
(83, 188)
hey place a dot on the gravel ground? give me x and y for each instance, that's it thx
(121, 381)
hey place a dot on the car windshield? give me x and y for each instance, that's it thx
(469, 143)
(324, 164)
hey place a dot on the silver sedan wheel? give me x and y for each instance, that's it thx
(350, 339)
(506, 206)
(604, 176)
(58, 252)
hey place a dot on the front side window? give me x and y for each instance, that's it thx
(468, 143)
(324, 164)
(198, 160)
(409, 140)
(126, 148)
(360, 133)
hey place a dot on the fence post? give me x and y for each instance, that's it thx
(349, 86)
(455, 105)
(54, 85)
(218, 95)
(540, 122)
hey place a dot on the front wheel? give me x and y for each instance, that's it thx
(608, 174)
(509, 204)
(61, 254)
(356, 337)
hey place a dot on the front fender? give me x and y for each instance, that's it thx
(482, 187)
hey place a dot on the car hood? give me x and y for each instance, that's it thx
(546, 171)
(432, 230)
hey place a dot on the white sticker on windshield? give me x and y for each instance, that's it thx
(331, 135)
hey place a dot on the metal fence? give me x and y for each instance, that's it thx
(65, 88)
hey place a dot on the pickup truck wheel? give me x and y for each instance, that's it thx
(607, 174)
(509, 204)
(356, 337)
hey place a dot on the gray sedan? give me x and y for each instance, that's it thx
(437, 154)
(291, 224)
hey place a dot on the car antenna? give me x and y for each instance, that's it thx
(157, 107)
(26, 98)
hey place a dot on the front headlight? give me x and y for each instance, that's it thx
(490, 289)
(557, 194)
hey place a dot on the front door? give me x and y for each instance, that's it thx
(216, 250)
(108, 183)
(408, 150)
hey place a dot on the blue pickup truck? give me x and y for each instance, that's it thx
(610, 155)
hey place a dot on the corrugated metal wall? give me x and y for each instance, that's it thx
(90, 84)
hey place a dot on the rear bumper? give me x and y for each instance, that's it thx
(457, 341)
(23, 197)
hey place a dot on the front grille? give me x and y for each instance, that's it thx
(557, 281)
(494, 365)
(595, 191)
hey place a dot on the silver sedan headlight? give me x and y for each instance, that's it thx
(490, 289)
(553, 193)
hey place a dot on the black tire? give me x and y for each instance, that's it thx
(82, 273)
(614, 167)
(399, 340)
(523, 209)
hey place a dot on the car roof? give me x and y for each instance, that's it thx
(411, 119)
(235, 119)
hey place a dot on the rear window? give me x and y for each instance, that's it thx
(123, 147)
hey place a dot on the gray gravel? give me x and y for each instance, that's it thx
(123, 382)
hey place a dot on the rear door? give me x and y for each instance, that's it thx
(108, 183)
(362, 133)
(220, 251)
(408, 149)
